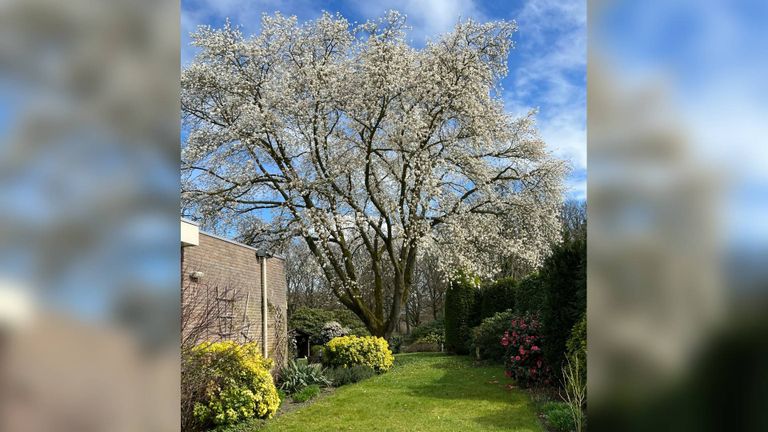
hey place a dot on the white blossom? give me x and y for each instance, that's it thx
(372, 151)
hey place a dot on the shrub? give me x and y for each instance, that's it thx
(311, 321)
(316, 353)
(563, 277)
(306, 393)
(430, 342)
(576, 346)
(529, 295)
(434, 329)
(332, 329)
(575, 385)
(486, 336)
(347, 351)
(558, 416)
(224, 383)
(395, 343)
(461, 314)
(524, 359)
(295, 376)
(348, 375)
(497, 297)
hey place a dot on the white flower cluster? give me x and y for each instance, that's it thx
(347, 136)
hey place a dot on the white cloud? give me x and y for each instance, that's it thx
(552, 55)
(428, 18)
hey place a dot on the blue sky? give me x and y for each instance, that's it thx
(547, 67)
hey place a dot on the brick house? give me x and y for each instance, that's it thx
(232, 291)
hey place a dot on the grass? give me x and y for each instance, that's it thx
(306, 393)
(423, 392)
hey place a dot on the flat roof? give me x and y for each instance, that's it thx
(278, 256)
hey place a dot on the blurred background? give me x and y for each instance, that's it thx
(89, 254)
(678, 215)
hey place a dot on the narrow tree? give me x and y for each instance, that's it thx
(372, 152)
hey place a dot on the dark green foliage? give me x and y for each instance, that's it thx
(395, 343)
(312, 320)
(558, 417)
(297, 375)
(436, 328)
(576, 346)
(306, 393)
(497, 296)
(529, 295)
(343, 376)
(461, 314)
(563, 278)
(487, 336)
(316, 353)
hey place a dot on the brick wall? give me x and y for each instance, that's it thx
(230, 289)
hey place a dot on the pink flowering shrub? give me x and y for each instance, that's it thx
(524, 359)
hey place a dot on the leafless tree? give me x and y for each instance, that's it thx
(305, 281)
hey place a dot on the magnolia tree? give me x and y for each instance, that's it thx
(370, 151)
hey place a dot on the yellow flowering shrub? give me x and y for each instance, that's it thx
(347, 351)
(227, 383)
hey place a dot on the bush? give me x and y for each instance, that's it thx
(311, 321)
(295, 376)
(461, 314)
(349, 375)
(486, 337)
(524, 357)
(563, 277)
(576, 346)
(332, 329)
(395, 343)
(306, 393)
(558, 416)
(316, 353)
(224, 383)
(529, 295)
(434, 330)
(497, 297)
(347, 351)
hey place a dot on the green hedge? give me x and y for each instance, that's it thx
(461, 314)
(497, 296)
(563, 278)
(529, 295)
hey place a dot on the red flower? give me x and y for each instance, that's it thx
(517, 358)
(534, 348)
(504, 341)
(522, 351)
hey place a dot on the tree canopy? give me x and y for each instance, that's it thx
(370, 151)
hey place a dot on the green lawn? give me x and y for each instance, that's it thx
(423, 392)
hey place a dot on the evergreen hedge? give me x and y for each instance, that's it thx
(461, 314)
